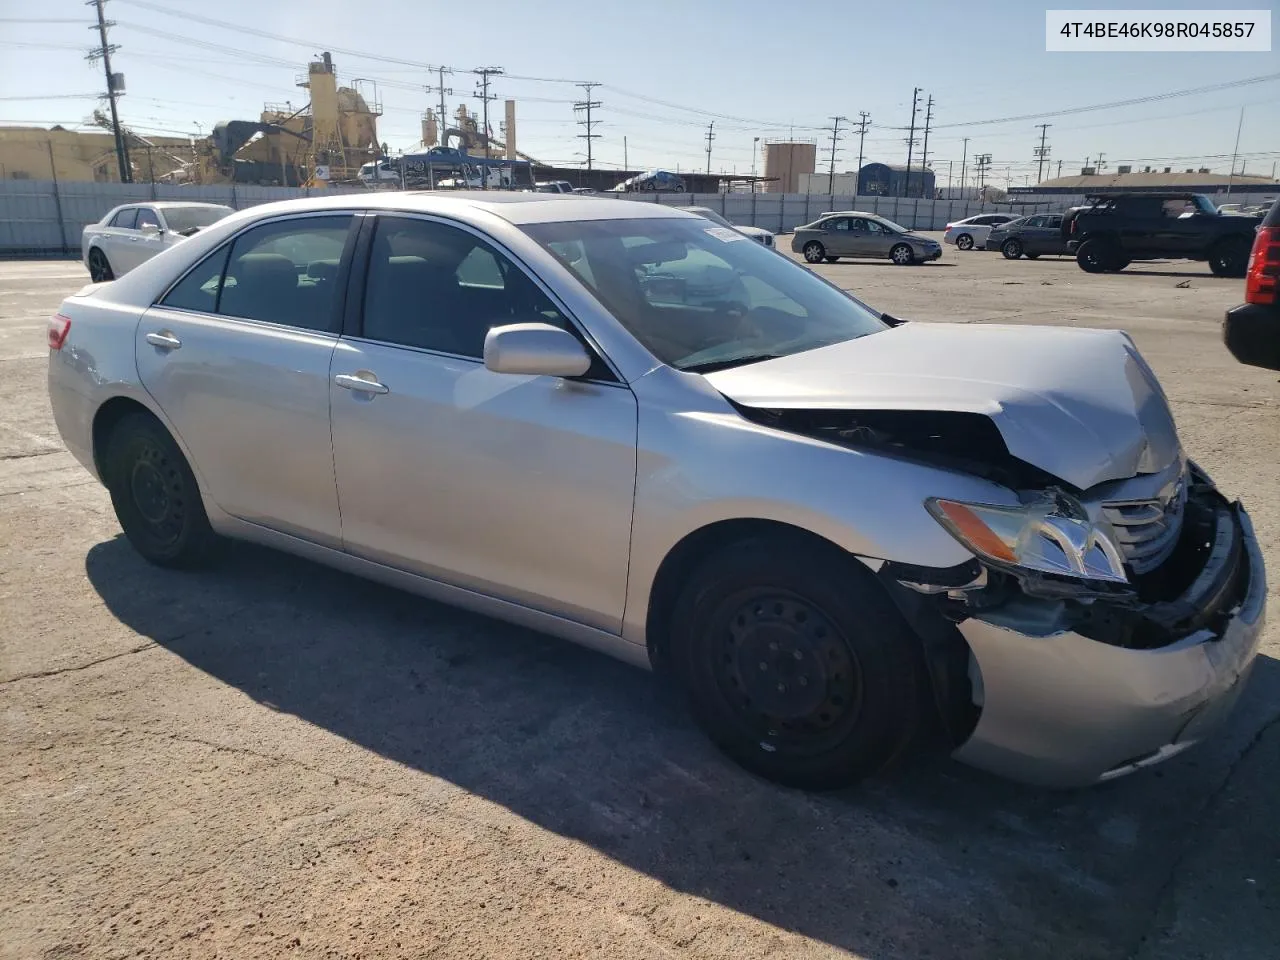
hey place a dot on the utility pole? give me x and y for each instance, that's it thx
(442, 90)
(835, 136)
(1041, 152)
(588, 105)
(710, 136)
(1059, 168)
(924, 151)
(484, 73)
(115, 83)
(864, 121)
(950, 165)
(755, 143)
(964, 157)
(911, 138)
(983, 160)
(1098, 166)
(626, 164)
(1235, 152)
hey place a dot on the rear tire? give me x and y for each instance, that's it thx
(155, 494)
(99, 267)
(1030, 256)
(831, 259)
(1096, 256)
(964, 242)
(1229, 258)
(814, 252)
(1012, 249)
(796, 663)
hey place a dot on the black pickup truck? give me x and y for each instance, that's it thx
(1110, 232)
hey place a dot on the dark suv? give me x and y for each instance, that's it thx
(1111, 231)
(1252, 330)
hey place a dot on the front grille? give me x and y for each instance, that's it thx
(1147, 530)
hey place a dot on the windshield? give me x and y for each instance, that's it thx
(703, 297)
(182, 219)
(895, 227)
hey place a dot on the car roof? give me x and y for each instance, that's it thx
(169, 204)
(516, 207)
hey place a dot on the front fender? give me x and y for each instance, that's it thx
(700, 467)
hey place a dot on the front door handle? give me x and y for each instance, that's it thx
(164, 340)
(365, 384)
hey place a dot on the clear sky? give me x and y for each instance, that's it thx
(667, 68)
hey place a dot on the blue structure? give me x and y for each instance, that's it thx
(891, 180)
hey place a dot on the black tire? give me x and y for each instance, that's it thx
(1030, 256)
(99, 267)
(763, 614)
(1095, 256)
(830, 259)
(900, 258)
(155, 494)
(1012, 249)
(814, 252)
(964, 242)
(1230, 257)
(1117, 264)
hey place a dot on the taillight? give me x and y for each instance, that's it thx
(59, 327)
(1264, 267)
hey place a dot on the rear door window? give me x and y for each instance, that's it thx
(125, 219)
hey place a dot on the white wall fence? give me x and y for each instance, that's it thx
(45, 218)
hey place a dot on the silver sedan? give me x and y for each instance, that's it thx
(855, 234)
(639, 431)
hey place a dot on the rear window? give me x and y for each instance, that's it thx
(125, 218)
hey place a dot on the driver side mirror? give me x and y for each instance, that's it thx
(535, 349)
(150, 229)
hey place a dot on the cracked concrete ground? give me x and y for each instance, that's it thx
(273, 759)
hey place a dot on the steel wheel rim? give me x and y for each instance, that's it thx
(787, 672)
(156, 491)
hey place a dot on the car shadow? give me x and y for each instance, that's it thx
(933, 860)
(846, 262)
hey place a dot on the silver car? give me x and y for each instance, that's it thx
(854, 234)
(832, 529)
(758, 234)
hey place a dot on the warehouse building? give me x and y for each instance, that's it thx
(1126, 180)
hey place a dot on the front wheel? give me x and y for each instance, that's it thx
(964, 242)
(796, 663)
(1012, 249)
(155, 494)
(901, 255)
(99, 268)
(814, 252)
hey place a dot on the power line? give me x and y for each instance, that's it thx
(1191, 91)
(442, 90)
(588, 105)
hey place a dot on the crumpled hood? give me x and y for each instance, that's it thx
(1081, 405)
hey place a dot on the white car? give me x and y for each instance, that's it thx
(758, 234)
(134, 233)
(972, 232)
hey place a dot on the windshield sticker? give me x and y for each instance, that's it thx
(725, 234)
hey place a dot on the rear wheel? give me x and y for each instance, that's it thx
(814, 252)
(1229, 258)
(1096, 256)
(901, 255)
(830, 259)
(1030, 256)
(964, 242)
(155, 494)
(99, 268)
(796, 663)
(1012, 249)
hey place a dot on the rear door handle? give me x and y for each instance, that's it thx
(360, 384)
(164, 340)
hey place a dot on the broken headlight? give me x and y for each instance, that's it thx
(1052, 534)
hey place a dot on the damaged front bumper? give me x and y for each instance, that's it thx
(1060, 709)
